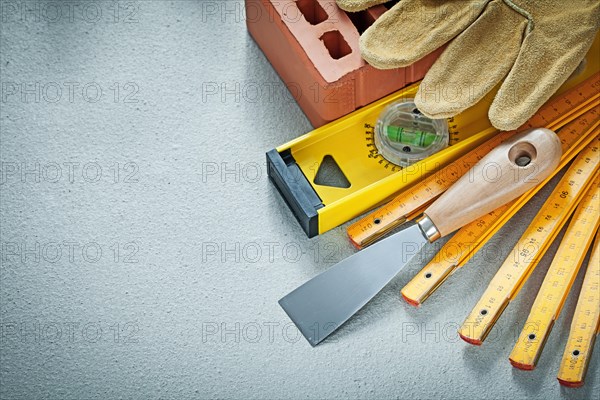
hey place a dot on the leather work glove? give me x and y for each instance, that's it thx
(533, 45)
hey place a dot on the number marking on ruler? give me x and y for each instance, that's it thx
(558, 281)
(585, 325)
(531, 247)
(553, 115)
(468, 240)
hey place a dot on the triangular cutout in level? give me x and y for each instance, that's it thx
(330, 174)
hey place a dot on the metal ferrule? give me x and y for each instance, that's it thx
(428, 228)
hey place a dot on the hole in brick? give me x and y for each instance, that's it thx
(336, 44)
(361, 20)
(312, 11)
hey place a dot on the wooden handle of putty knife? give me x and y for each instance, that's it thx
(509, 170)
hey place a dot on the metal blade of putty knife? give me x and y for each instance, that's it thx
(324, 303)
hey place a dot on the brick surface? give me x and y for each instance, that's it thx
(313, 45)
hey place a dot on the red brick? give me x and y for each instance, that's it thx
(313, 45)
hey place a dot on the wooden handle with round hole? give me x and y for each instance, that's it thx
(512, 168)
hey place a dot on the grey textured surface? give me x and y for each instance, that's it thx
(196, 245)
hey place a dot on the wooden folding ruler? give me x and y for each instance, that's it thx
(558, 281)
(526, 254)
(585, 326)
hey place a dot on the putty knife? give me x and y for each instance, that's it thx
(324, 303)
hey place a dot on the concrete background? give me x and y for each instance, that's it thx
(144, 250)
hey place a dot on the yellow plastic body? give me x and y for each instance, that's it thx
(373, 180)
